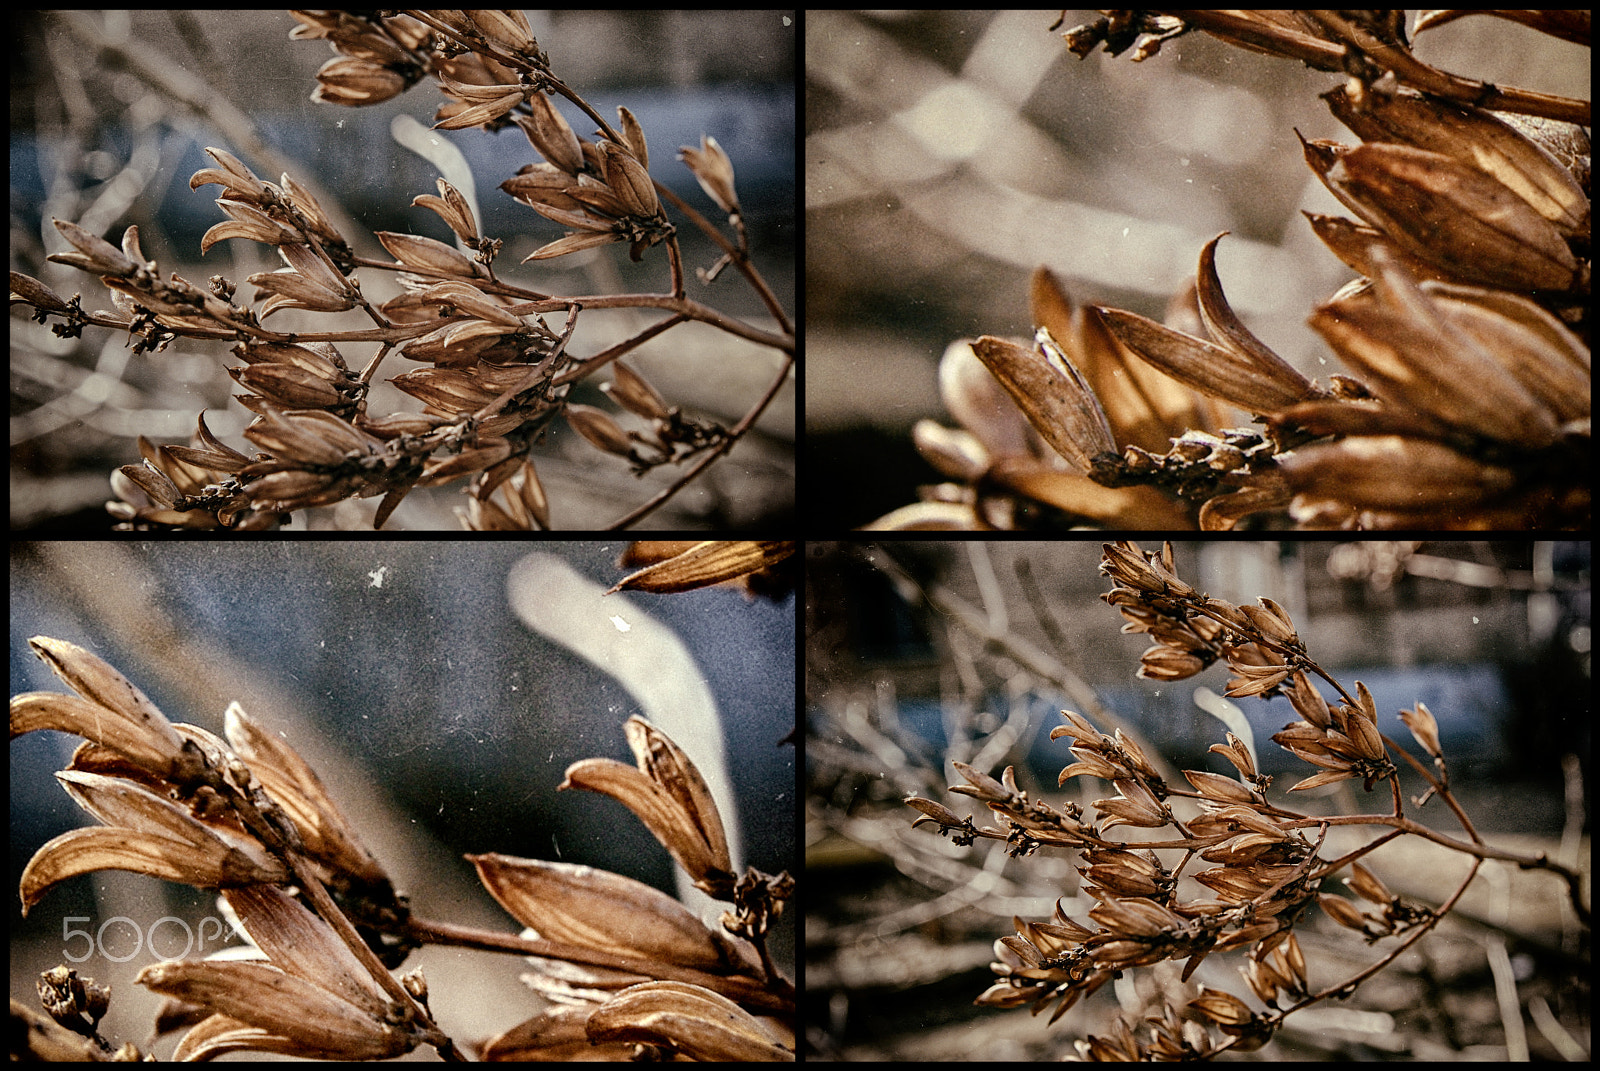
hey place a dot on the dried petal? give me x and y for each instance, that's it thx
(114, 712)
(704, 564)
(1424, 727)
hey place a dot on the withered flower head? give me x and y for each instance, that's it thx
(1469, 329)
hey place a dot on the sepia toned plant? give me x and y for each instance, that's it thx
(631, 972)
(1466, 330)
(1238, 872)
(492, 372)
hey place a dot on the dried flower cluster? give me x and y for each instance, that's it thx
(493, 372)
(1468, 328)
(629, 971)
(1266, 869)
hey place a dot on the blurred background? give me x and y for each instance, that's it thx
(409, 677)
(920, 653)
(949, 153)
(110, 111)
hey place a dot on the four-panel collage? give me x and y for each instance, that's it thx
(1090, 792)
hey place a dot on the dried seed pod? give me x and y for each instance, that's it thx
(549, 132)
(1216, 787)
(37, 294)
(1164, 663)
(633, 136)
(1365, 883)
(1384, 333)
(1052, 395)
(1209, 368)
(1271, 621)
(238, 180)
(295, 786)
(153, 482)
(1343, 912)
(1453, 216)
(703, 1025)
(1229, 331)
(430, 256)
(286, 385)
(95, 254)
(1424, 727)
(1475, 138)
(981, 786)
(145, 833)
(714, 171)
(113, 712)
(315, 999)
(579, 905)
(630, 181)
(355, 82)
(601, 431)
